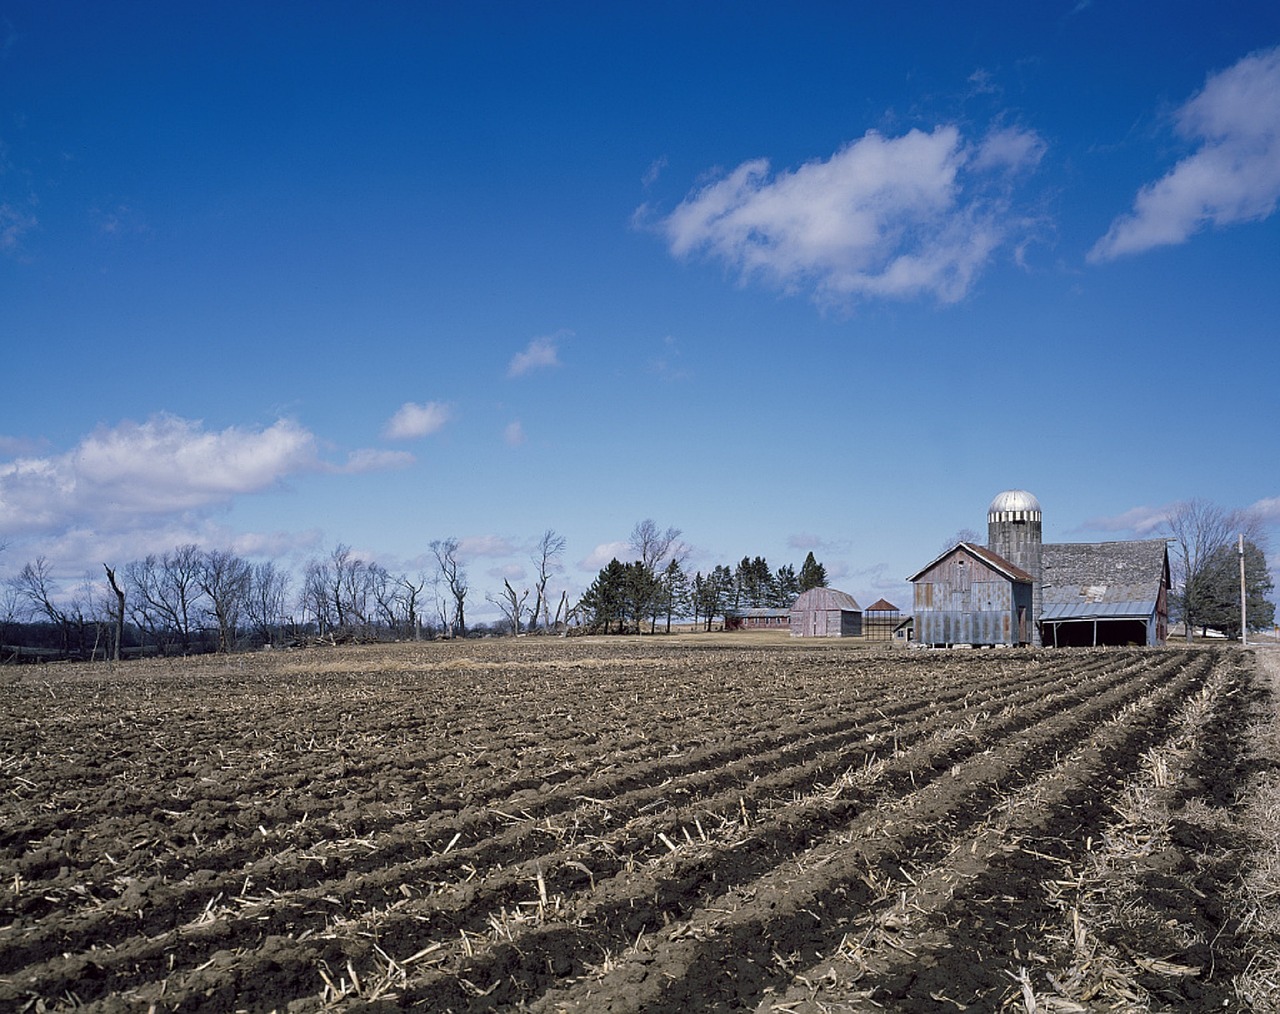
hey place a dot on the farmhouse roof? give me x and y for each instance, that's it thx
(993, 560)
(1093, 579)
(823, 599)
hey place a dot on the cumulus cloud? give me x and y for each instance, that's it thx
(888, 217)
(539, 353)
(412, 420)
(164, 465)
(603, 553)
(1232, 176)
(486, 545)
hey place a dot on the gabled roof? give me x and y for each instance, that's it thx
(824, 599)
(993, 560)
(1093, 579)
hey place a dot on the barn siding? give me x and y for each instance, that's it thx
(960, 599)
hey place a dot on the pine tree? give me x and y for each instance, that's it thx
(812, 574)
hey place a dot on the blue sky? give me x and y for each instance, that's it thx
(825, 276)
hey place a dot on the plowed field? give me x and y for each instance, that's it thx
(655, 825)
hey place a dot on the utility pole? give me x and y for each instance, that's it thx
(1244, 598)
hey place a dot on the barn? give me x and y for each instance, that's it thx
(1020, 590)
(825, 612)
(756, 619)
(970, 595)
(1099, 593)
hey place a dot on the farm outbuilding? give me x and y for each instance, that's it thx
(970, 595)
(756, 619)
(1020, 590)
(879, 620)
(826, 612)
(1100, 593)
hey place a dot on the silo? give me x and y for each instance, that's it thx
(1014, 532)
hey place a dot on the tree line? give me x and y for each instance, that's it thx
(654, 587)
(191, 600)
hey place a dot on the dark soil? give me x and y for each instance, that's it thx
(593, 825)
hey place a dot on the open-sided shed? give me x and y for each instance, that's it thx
(826, 612)
(1105, 593)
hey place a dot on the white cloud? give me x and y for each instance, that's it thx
(1234, 174)
(900, 217)
(369, 459)
(413, 420)
(1143, 521)
(486, 545)
(603, 553)
(540, 352)
(165, 465)
(125, 478)
(1267, 511)
(513, 434)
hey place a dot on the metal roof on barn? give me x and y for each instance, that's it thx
(1103, 579)
(826, 599)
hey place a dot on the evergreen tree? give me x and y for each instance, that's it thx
(1216, 590)
(675, 591)
(713, 593)
(786, 587)
(604, 603)
(754, 583)
(812, 574)
(643, 593)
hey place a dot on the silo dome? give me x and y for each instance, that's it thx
(1013, 502)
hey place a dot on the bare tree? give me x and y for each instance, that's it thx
(654, 548)
(348, 587)
(511, 604)
(964, 535)
(166, 593)
(455, 579)
(545, 559)
(314, 597)
(117, 614)
(224, 579)
(409, 597)
(35, 583)
(1198, 529)
(265, 601)
(385, 592)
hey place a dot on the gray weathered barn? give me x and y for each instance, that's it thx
(1105, 593)
(825, 612)
(1018, 590)
(969, 595)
